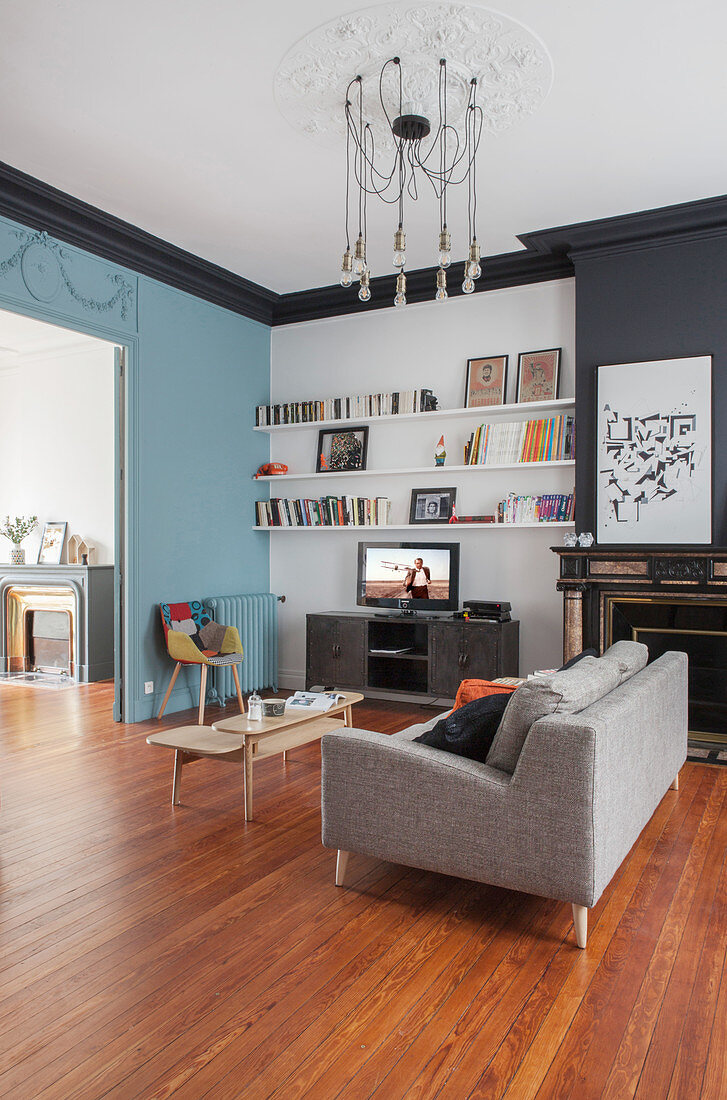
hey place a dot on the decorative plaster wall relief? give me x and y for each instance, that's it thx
(511, 64)
(45, 269)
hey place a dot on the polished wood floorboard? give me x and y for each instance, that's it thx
(148, 950)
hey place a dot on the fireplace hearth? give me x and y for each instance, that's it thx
(667, 598)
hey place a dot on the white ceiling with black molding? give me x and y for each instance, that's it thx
(200, 122)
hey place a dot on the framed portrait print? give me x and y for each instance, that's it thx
(654, 457)
(341, 449)
(538, 375)
(432, 505)
(485, 381)
(51, 544)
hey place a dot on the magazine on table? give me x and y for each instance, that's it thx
(314, 700)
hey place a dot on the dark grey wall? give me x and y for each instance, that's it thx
(656, 303)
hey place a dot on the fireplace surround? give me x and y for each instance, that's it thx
(57, 619)
(666, 597)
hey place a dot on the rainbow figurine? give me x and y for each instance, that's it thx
(439, 452)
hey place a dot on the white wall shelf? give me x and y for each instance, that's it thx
(449, 528)
(408, 471)
(527, 410)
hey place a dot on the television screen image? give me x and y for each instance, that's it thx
(399, 574)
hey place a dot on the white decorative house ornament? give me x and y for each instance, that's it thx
(512, 66)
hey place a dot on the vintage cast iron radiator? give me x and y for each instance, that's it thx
(256, 617)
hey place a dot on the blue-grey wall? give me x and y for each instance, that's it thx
(195, 374)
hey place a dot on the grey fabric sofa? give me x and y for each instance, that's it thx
(581, 786)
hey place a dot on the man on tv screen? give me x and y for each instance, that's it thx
(417, 580)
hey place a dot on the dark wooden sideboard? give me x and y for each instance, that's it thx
(357, 650)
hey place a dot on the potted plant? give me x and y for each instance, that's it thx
(16, 531)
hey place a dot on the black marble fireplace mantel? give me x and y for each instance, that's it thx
(669, 597)
(93, 586)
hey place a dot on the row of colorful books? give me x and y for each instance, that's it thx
(551, 439)
(346, 408)
(329, 511)
(549, 508)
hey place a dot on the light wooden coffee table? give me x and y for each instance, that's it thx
(238, 740)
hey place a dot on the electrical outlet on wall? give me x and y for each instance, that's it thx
(149, 687)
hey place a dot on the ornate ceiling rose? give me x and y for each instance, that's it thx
(512, 66)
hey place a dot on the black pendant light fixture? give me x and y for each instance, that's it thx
(442, 154)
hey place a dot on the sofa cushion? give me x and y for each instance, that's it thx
(566, 692)
(631, 657)
(469, 730)
(578, 657)
(478, 689)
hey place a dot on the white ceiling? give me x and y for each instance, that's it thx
(163, 114)
(23, 337)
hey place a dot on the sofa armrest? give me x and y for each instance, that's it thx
(405, 802)
(619, 757)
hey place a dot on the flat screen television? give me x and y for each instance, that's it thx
(411, 576)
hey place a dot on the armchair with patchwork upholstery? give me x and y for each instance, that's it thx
(194, 638)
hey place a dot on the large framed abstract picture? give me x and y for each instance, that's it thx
(654, 458)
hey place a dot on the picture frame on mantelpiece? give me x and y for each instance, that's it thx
(50, 550)
(654, 452)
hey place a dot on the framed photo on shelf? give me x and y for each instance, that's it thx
(51, 544)
(654, 457)
(538, 375)
(432, 505)
(341, 449)
(485, 381)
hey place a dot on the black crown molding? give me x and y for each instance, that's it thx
(547, 254)
(701, 220)
(510, 269)
(39, 206)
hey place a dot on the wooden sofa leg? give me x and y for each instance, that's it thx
(341, 864)
(580, 924)
(675, 784)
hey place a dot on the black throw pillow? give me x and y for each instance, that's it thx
(470, 730)
(578, 657)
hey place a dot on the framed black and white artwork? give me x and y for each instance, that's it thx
(654, 457)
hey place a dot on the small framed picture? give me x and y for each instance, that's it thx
(538, 375)
(51, 544)
(486, 381)
(342, 449)
(432, 505)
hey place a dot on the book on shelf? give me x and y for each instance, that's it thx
(547, 508)
(391, 651)
(330, 511)
(346, 408)
(550, 439)
(477, 519)
(314, 700)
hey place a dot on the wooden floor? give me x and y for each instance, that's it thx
(152, 951)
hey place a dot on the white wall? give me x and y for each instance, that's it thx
(57, 444)
(423, 345)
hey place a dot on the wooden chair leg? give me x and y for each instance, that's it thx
(236, 678)
(177, 780)
(202, 692)
(341, 864)
(169, 689)
(675, 784)
(580, 924)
